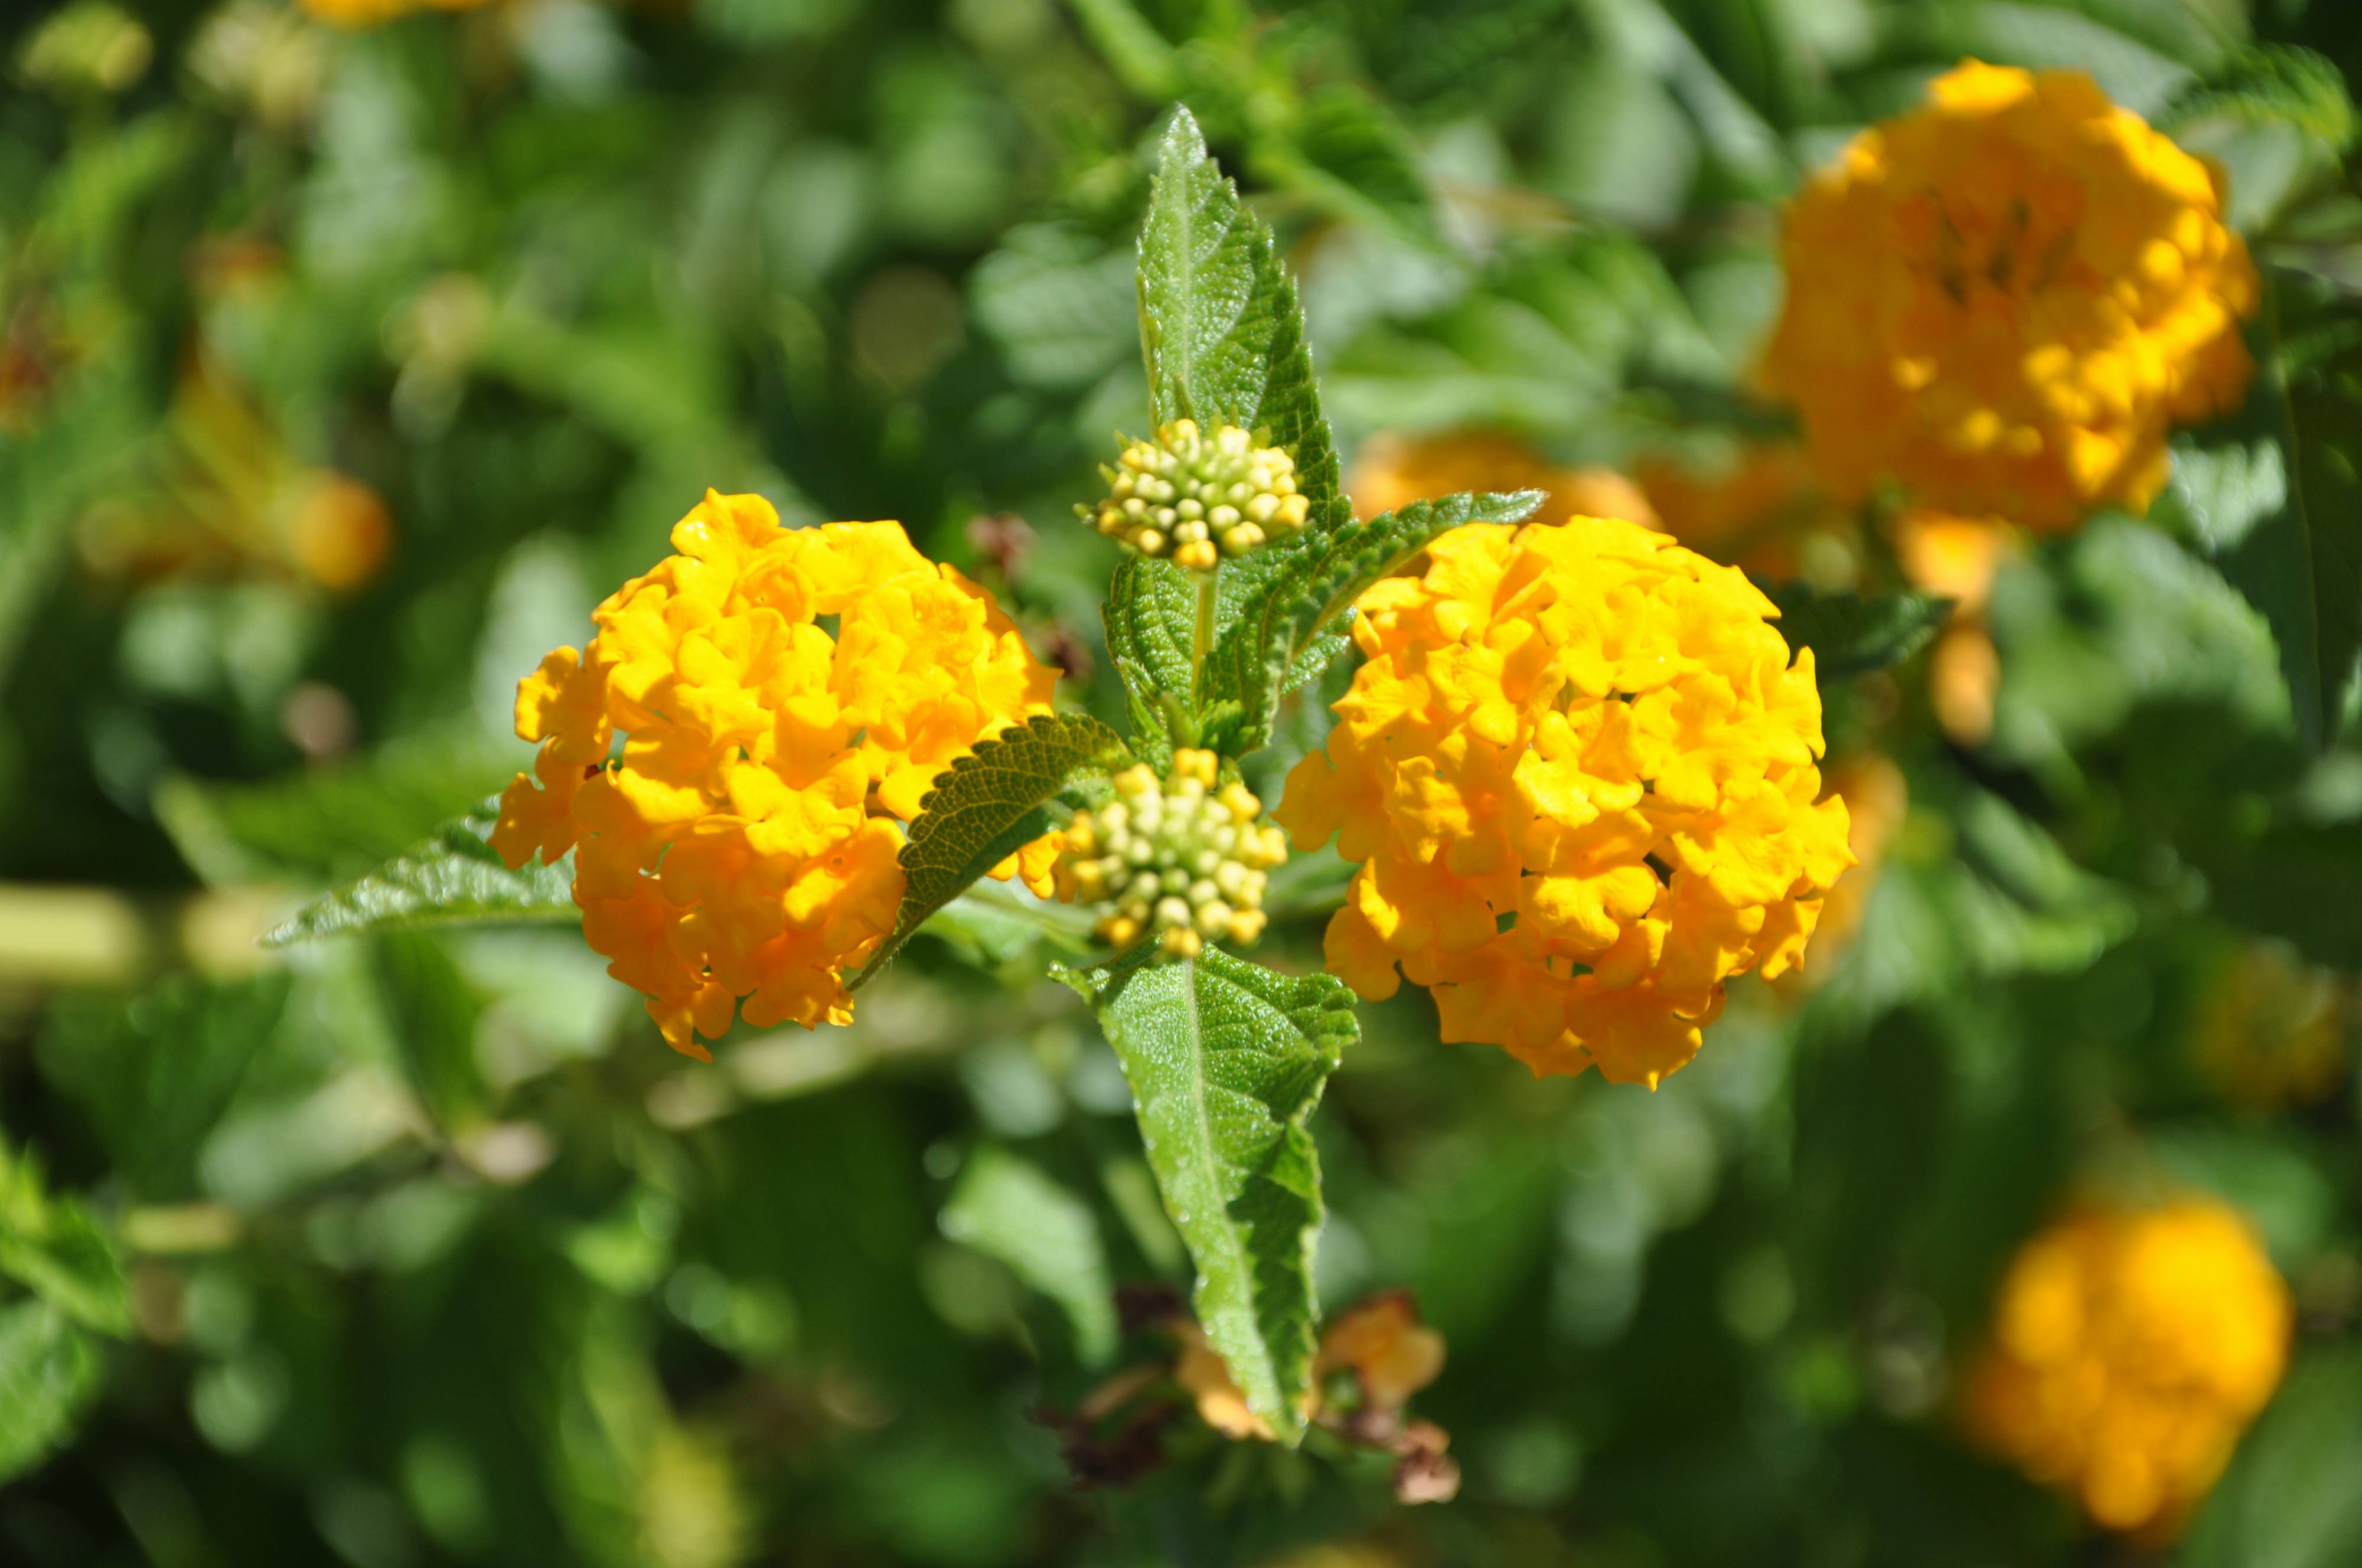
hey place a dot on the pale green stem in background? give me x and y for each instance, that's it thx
(1201, 640)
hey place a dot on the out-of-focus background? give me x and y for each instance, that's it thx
(348, 356)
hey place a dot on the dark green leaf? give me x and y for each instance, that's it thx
(2290, 535)
(49, 1372)
(989, 804)
(1294, 594)
(155, 1072)
(433, 1011)
(1006, 1208)
(1221, 324)
(1849, 633)
(452, 878)
(1227, 1060)
(2288, 1500)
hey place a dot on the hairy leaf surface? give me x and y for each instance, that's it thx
(1221, 323)
(1290, 600)
(453, 878)
(1225, 1061)
(988, 805)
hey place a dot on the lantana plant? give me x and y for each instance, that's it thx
(1578, 768)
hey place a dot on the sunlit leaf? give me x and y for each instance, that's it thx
(455, 878)
(1287, 601)
(1220, 320)
(989, 804)
(1227, 1060)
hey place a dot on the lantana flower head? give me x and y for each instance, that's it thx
(733, 777)
(2130, 1348)
(1579, 770)
(2005, 298)
(1176, 855)
(1199, 495)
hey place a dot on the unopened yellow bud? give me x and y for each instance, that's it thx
(1200, 497)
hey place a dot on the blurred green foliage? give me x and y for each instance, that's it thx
(419, 1247)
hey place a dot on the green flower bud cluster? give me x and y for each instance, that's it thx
(1174, 856)
(1199, 497)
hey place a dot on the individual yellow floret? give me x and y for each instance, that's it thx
(1174, 856)
(731, 776)
(1199, 497)
(1578, 768)
(2129, 1350)
(2005, 298)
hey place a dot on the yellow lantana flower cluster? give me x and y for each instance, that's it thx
(742, 844)
(1579, 771)
(1392, 470)
(1199, 495)
(2130, 1349)
(2005, 298)
(1172, 855)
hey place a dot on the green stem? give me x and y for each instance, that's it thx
(1202, 638)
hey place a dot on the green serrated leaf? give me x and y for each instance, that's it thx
(1849, 633)
(1151, 614)
(453, 878)
(1221, 323)
(1225, 1061)
(49, 1372)
(1006, 1208)
(989, 804)
(52, 1247)
(1292, 597)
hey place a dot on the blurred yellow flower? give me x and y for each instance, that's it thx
(741, 842)
(2130, 1348)
(1579, 770)
(374, 13)
(1391, 471)
(1382, 1343)
(2271, 1030)
(1762, 509)
(339, 531)
(2005, 298)
(1958, 558)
